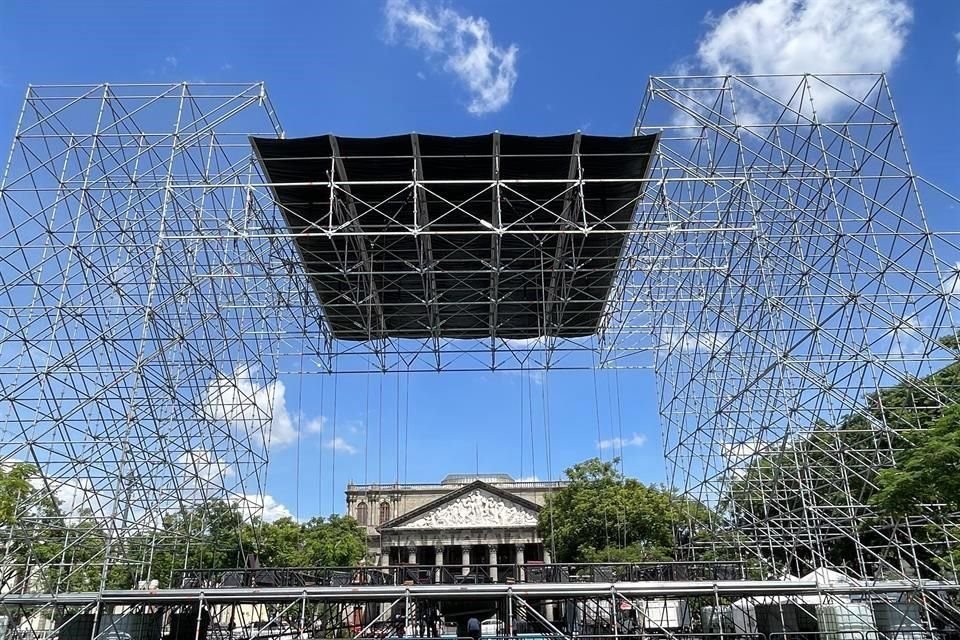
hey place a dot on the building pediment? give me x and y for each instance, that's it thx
(475, 506)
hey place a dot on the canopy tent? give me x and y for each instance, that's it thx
(490, 236)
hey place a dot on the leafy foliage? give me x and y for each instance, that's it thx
(900, 452)
(928, 472)
(14, 487)
(54, 550)
(225, 538)
(336, 542)
(602, 516)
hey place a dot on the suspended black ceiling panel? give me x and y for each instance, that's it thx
(413, 236)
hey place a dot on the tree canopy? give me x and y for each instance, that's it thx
(928, 471)
(218, 536)
(897, 456)
(602, 516)
(56, 549)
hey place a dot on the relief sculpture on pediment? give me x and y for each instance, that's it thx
(476, 509)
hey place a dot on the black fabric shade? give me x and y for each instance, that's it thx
(411, 258)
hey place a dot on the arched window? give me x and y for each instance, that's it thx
(362, 515)
(384, 512)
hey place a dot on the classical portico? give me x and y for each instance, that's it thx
(478, 532)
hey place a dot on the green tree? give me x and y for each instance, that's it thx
(15, 490)
(927, 472)
(319, 542)
(602, 516)
(51, 550)
(899, 451)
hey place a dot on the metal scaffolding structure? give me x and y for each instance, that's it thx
(802, 305)
(777, 274)
(749, 610)
(137, 354)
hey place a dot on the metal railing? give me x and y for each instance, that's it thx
(533, 572)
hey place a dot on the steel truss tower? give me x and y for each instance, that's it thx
(139, 326)
(795, 279)
(778, 274)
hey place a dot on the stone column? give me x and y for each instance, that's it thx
(438, 561)
(521, 573)
(493, 562)
(465, 558)
(384, 556)
(409, 575)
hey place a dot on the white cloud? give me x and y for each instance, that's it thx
(816, 36)
(951, 285)
(738, 456)
(171, 60)
(694, 341)
(739, 452)
(203, 475)
(75, 495)
(260, 411)
(957, 36)
(322, 424)
(264, 507)
(465, 45)
(205, 466)
(537, 342)
(78, 496)
(636, 440)
(341, 445)
(805, 36)
(316, 425)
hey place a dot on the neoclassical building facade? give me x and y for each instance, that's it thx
(479, 521)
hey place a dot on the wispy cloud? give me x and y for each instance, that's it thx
(203, 474)
(951, 285)
(315, 425)
(805, 36)
(636, 440)
(341, 445)
(322, 424)
(818, 36)
(464, 44)
(694, 340)
(171, 61)
(257, 409)
(739, 452)
(264, 507)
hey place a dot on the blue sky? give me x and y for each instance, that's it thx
(375, 68)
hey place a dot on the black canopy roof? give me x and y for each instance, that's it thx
(413, 236)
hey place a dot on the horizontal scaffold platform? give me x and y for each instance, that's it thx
(365, 593)
(491, 236)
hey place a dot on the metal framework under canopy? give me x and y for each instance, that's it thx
(762, 245)
(491, 236)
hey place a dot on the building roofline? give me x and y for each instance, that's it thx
(393, 487)
(453, 495)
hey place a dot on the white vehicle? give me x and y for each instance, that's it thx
(491, 628)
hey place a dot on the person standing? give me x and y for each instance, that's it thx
(473, 628)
